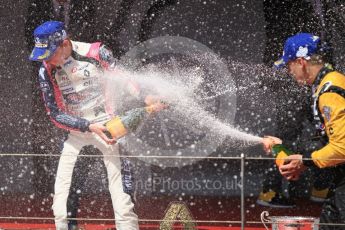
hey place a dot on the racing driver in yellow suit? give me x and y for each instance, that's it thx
(305, 56)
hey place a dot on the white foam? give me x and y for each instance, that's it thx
(185, 105)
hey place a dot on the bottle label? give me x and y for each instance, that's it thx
(280, 152)
(280, 158)
(116, 128)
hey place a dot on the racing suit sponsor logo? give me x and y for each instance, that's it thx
(327, 112)
(89, 82)
(82, 98)
(331, 131)
(42, 73)
(44, 86)
(64, 82)
(321, 127)
(63, 77)
(65, 85)
(67, 63)
(127, 179)
(74, 98)
(67, 90)
(86, 73)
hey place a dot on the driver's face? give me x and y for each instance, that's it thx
(57, 58)
(297, 70)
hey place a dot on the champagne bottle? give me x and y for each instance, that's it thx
(280, 152)
(119, 126)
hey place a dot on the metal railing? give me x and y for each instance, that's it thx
(242, 159)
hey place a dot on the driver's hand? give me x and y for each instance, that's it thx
(268, 142)
(292, 167)
(100, 130)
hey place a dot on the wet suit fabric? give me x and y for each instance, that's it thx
(74, 98)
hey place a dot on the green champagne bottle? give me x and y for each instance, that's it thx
(119, 126)
(280, 152)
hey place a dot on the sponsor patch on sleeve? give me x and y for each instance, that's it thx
(44, 86)
(327, 112)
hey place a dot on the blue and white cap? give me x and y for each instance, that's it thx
(48, 37)
(300, 45)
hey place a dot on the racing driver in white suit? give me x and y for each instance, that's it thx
(73, 93)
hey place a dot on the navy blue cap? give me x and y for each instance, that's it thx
(48, 37)
(300, 45)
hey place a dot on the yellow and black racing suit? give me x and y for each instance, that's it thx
(329, 102)
(329, 110)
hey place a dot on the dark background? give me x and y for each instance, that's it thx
(247, 32)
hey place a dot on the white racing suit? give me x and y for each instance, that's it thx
(74, 97)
